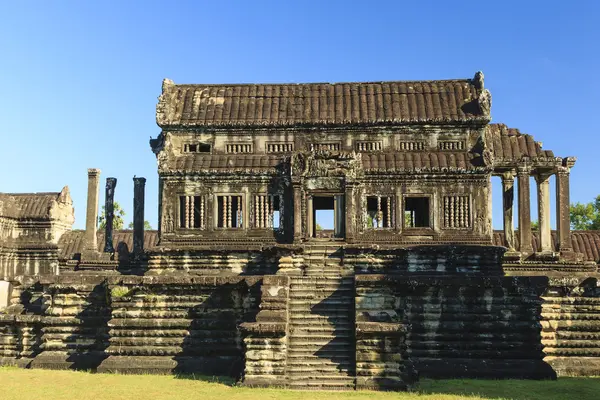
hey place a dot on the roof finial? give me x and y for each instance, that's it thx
(167, 83)
(478, 80)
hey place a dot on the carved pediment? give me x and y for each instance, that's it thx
(327, 164)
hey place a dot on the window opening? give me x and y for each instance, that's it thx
(191, 212)
(229, 212)
(379, 212)
(416, 212)
(266, 211)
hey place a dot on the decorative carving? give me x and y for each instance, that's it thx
(327, 164)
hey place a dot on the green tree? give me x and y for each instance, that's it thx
(147, 226)
(585, 216)
(535, 226)
(117, 220)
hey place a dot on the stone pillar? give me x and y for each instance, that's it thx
(508, 196)
(563, 218)
(310, 229)
(109, 214)
(139, 185)
(91, 218)
(524, 209)
(350, 212)
(297, 207)
(543, 196)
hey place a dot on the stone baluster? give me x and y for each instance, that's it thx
(508, 197)
(523, 173)
(543, 196)
(109, 212)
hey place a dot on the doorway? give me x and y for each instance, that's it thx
(327, 219)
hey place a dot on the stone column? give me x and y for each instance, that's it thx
(524, 209)
(543, 196)
(508, 196)
(139, 185)
(563, 218)
(310, 229)
(350, 212)
(91, 218)
(109, 214)
(297, 207)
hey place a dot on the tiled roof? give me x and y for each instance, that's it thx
(212, 162)
(410, 161)
(27, 205)
(442, 101)
(510, 144)
(585, 242)
(72, 242)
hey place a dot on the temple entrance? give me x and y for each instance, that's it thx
(326, 219)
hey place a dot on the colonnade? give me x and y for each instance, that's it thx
(542, 175)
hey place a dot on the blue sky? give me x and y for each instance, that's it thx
(80, 79)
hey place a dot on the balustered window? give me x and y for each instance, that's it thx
(325, 146)
(192, 212)
(380, 212)
(367, 146)
(238, 148)
(457, 212)
(451, 145)
(230, 212)
(413, 145)
(266, 209)
(279, 147)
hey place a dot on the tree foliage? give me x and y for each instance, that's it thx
(585, 216)
(118, 220)
(147, 225)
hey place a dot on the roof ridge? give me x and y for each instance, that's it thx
(323, 83)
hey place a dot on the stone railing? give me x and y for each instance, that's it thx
(265, 339)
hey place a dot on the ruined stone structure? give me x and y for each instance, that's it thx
(240, 279)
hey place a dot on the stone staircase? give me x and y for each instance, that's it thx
(321, 352)
(325, 260)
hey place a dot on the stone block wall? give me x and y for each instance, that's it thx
(129, 323)
(433, 259)
(468, 326)
(265, 339)
(571, 326)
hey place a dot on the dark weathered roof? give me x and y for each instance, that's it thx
(441, 101)
(210, 162)
(29, 205)
(410, 161)
(72, 242)
(512, 145)
(585, 242)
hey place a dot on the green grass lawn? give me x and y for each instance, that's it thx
(48, 385)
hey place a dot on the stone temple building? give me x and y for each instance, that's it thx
(313, 236)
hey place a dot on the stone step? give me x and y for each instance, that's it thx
(326, 383)
(339, 354)
(312, 320)
(326, 369)
(322, 335)
(321, 329)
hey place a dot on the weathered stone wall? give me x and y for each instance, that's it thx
(571, 325)
(435, 259)
(129, 323)
(467, 326)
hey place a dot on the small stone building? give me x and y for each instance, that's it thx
(322, 236)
